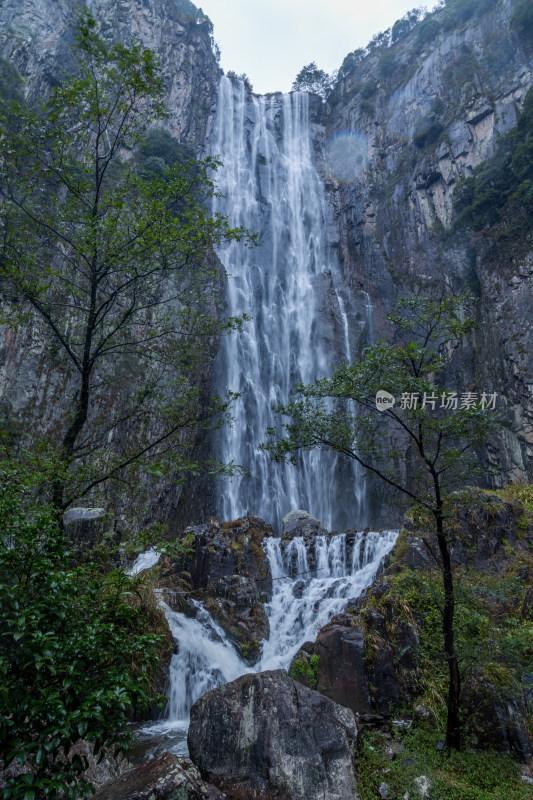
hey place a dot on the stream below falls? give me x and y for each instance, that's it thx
(312, 581)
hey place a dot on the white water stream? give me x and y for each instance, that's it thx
(311, 582)
(292, 288)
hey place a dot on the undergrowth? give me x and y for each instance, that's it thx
(467, 775)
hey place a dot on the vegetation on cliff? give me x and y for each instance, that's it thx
(501, 188)
(107, 246)
(312, 79)
(494, 618)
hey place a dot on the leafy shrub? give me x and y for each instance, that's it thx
(461, 70)
(10, 82)
(503, 181)
(379, 40)
(522, 20)
(77, 650)
(242, 77)
(457, 12)
(387, 64)
(404, 25)
(367, 107)
(350, 63)
(161, 150)
(368, 89)
(467, 775)
(427, 31)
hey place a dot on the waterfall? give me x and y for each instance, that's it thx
(369, 318)
(291, 288)
(305, 597)
(312, 580)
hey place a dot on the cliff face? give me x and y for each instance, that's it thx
(37, 36)
(399, 130)
(397, 133)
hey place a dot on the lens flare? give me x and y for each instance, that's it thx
(347, 155)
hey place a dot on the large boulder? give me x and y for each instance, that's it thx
(268, 737)
(224, 566)
(301, 523)
(86, 526)
(366, 661)
(335, 663)
(499, 718)
(167, 777)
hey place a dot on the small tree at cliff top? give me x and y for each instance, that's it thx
(114, 263)
(423, 446)
(312, 79)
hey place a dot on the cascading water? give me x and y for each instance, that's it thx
(311, 582)
(291, 288)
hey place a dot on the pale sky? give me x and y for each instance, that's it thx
(271, 40)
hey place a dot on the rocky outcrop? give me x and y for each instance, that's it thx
(166, 777)
(400, 128)
(499, 718)
(37, 36)
(266, 736)
(366, 661)
(485, 535)
(374, 658)
(301, 523)
(224, 566)
(86, 526)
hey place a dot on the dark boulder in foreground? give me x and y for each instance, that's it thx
(265, 736)
(167, 777)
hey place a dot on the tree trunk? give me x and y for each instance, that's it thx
(69, 440)
(453, 723)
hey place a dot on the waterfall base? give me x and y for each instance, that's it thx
(312, 580)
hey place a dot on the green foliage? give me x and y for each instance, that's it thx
(160, 151)
(369, 89)
(77, 651)
(427, 130)
(522, 20)
(427, 30)
(11, 84)
(468, 775)
(242, 77)
(379, 41)
(502, 185)
(493, 641)
(312, 79)
(387, 64)
(113, 256)
(367, 107)
(350, 62)
(457, 12)
(521, 492)
(403, 26)
(461, 70)
(306, 670)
